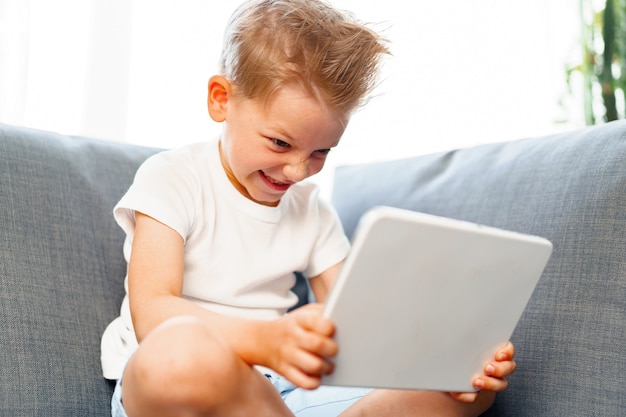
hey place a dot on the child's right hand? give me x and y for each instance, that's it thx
(300, 345)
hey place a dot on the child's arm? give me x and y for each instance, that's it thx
(295, 345)
(321, 284)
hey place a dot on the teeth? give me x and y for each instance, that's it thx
(273, 181)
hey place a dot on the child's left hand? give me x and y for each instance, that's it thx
(494, 377)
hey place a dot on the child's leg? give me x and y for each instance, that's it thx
(182, 368)
(416, 403)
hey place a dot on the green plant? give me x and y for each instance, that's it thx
(603, 65)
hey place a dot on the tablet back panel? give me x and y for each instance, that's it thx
(423, 302)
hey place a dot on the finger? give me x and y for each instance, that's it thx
(302, 379)
(307, 370)
(506, 353)
(314, 365)
(301, 356)
(318, 344)
(491, 384)
(466, 397)
(313, 321)
(500, 369)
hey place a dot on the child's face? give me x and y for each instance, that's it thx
(266, 148)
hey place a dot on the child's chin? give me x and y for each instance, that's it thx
(266, 199)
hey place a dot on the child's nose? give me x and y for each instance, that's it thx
(297, 170)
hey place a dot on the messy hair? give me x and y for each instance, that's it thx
(269, 43)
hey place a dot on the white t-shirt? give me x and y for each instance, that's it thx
(239, 255)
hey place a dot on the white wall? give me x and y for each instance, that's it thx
(463, 72)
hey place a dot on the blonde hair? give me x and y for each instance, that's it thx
(269, 43)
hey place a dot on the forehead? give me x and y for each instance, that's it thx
(297, 114)
(295, 97)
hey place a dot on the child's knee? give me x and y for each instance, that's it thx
(182, 361)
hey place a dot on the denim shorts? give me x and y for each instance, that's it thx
(325, 401)
(117, 409)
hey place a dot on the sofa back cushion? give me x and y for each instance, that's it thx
(569, 188)
(61, 268)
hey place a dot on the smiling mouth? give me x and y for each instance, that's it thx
(273, 183)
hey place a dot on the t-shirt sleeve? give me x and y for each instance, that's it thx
(162, 189)
(332, 245)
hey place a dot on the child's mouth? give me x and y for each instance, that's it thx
(273, 183)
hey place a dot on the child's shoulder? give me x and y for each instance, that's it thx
(187, 152)
(188, 161)
(185, 157)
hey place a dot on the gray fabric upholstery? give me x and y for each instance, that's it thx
(61, 264)
(569, 188)
(61, 268)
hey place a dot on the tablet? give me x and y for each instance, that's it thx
(423, 302)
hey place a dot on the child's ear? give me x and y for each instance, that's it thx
(220, 90)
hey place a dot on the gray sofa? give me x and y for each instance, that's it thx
(61, 265)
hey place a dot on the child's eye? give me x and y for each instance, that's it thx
(322, 152)
(280, 143)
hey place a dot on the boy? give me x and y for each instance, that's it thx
(215, 230)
